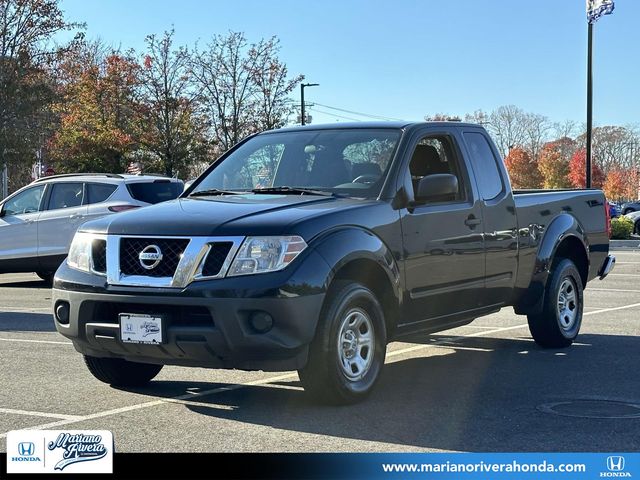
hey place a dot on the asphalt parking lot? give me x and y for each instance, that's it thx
(484, 387)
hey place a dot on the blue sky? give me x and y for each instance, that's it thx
(407, 58)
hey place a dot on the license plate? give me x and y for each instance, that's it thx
(140, 328)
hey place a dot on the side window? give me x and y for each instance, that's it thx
(25, 202)
(99, 192)
(485, 165)
(66, 195)
(433, 155)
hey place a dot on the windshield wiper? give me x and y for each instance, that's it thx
(213, 191)
(292, 191)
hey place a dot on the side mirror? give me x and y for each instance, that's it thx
(437, 185)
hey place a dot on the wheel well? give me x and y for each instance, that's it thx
(371, 275)
(574, 250)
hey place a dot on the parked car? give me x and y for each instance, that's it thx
(311, 248)
(614, 210)
(635, 218)
(630, 207)
(37, 223)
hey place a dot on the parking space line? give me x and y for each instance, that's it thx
(623, 307)
(624, 275)
(26, 340)
(288, 376)
(24, 310)
(613, 290)
(38, 414)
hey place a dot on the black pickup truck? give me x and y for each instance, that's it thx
(311, 248)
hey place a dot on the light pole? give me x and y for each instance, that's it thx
(302, 85)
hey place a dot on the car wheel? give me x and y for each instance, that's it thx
(559, 322)
(46, 276)
(121, 373)
(348, 351)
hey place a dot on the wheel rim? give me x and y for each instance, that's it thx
(567, 303)
(356, 344)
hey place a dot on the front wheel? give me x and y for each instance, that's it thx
(348, 351)
(46, 276)
(121, 373)
(559, 322)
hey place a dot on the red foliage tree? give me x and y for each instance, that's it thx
(615, 185)
(523, 170)
(577, 171)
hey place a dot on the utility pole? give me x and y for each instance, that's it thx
(302, 85)
(589, 101)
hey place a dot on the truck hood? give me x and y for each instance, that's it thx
(229, 215)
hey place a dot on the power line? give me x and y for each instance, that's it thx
(335, 115)
(380, 117)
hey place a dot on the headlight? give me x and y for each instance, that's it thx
(266, 254)
(80, 252)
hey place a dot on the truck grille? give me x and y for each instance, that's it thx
(172, 250)
(215, 259)
(99, 255)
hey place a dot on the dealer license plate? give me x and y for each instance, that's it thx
(140, 328)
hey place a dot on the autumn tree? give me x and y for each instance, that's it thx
(523, 170)
(98, 112)
(615, 187)
(172, 127)
(553, 166)
(26, 28)
(244, 87)
(578, 168)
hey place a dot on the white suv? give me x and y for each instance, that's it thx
(37, 223)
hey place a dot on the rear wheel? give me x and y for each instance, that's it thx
(559, 322)
(121, 373)
(348, 351)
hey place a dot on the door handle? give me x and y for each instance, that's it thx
(74, 216)
(472, 221)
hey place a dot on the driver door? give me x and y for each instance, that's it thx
(19, 224)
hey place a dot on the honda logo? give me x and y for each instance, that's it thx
(26, 449)
(615, 463)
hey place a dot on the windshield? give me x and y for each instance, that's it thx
(347, 161)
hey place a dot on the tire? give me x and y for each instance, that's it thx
(46, 276)
(121, 373)
(347, 353)
(558, 324)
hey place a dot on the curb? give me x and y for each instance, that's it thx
(624, 245)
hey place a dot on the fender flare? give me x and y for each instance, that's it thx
(561, 228)
(341, 246)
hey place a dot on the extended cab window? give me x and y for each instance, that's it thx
(485, 165)
(434, 155)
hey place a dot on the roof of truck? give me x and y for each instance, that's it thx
(373, 124)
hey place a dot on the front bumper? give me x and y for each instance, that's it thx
(207, 324)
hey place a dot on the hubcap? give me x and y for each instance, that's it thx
(356, 344)
(567, 304)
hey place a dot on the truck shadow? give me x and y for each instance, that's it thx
(26, 322)
(482, 397)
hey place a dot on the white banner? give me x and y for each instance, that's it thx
(60, 451)
(598, 8)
